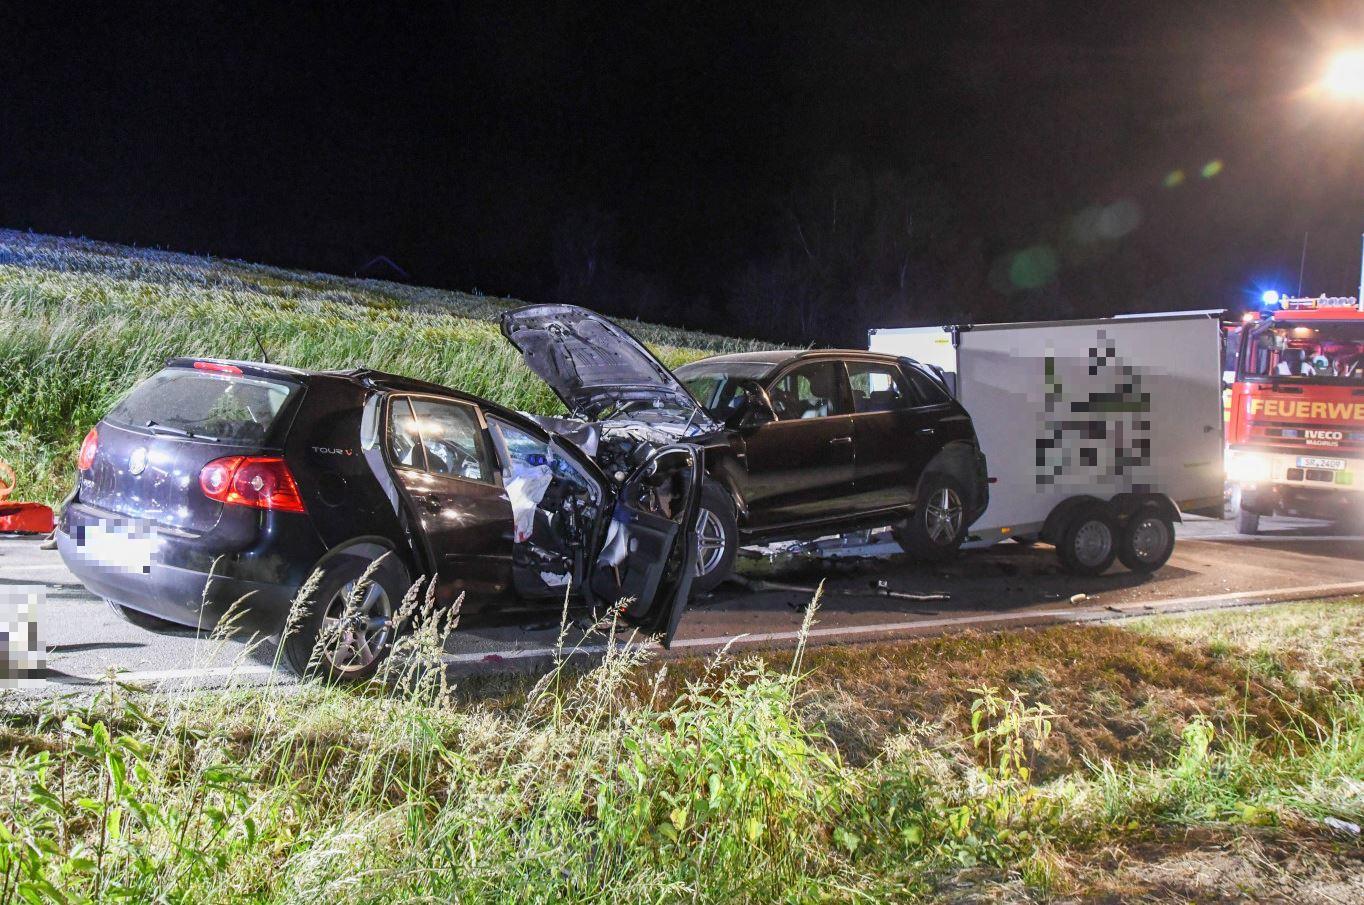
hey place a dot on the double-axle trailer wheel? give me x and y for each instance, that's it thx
(1136, 529)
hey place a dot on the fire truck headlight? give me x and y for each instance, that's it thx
(1248, 468)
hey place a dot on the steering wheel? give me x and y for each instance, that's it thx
(457, 457)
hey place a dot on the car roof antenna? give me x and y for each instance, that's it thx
(255, 334)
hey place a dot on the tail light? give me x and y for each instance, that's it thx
(261, 482)
(89, 446)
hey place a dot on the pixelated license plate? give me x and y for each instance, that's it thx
(1317, 462)
(123, 545)
(23, 655)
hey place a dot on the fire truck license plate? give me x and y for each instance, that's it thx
(1314, 462)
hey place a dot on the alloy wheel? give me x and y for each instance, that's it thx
(710, 543)
(943, 515)
(355, 631)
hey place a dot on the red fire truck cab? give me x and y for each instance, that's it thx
(1295, 432)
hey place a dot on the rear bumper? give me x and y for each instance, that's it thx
(179, 578)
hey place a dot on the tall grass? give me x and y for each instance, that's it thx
(82, 322)
(599, 786)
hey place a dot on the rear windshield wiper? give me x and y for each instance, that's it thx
(158, 428)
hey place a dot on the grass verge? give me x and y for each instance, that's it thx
(922, 769)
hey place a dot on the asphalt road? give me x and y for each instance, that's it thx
(1001, 587)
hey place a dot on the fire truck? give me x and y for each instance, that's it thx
(1295, 427)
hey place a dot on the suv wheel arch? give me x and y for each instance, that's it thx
(958, 460)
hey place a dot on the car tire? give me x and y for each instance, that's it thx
(1146, 541)
(717, 539)
(936, 529)
(149, 622)
(363, 653)
(1247, 522)
(1088, 544)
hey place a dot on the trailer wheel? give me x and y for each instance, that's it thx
(1147, 541)
(938, 526)
(1089, 541)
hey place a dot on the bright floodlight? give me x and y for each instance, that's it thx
(1345, 75)
(1270, 297)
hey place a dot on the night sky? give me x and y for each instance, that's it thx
(719, 166)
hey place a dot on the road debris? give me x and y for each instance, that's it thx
(878, 588)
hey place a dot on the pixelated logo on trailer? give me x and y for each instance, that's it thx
(22, 649)
(1095, 424)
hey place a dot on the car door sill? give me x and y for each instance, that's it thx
(852, 523)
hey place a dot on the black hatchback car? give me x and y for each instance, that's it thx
(218, 482)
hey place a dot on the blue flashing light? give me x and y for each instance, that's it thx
(1270, 297)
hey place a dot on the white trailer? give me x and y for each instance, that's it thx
(1097, 433)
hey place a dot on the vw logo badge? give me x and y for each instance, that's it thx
(137, 462)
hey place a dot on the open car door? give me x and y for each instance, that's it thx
(649, 556)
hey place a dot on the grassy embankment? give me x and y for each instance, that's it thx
(1178, 758)
(81, 322)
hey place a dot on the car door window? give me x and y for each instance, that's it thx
(404, 440)
(522, 450)
(877, 387)
(816, 390)
(442, 438)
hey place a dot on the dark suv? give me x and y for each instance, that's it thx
(218, 483)
(820, 442)
(797, 444)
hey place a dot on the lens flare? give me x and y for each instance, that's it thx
(1345, 75)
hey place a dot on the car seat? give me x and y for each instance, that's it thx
(821, 391)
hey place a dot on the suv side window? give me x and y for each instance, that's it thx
(928, 388)
(878, 387)
(816, 390)
(438, 437)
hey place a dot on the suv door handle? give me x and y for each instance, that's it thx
(840, 440)
(926, 430)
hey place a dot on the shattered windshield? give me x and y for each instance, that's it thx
(1318, 352)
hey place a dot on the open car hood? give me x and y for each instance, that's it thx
(595, 366)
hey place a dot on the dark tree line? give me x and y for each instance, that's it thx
(854, 248)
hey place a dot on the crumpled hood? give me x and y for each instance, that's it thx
(593, 365)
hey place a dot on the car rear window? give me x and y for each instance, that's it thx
(205, 405)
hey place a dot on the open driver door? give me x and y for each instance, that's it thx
(647, 562)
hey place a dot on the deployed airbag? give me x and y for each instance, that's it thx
(525, 489)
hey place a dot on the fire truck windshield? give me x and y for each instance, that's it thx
(1317, 352)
